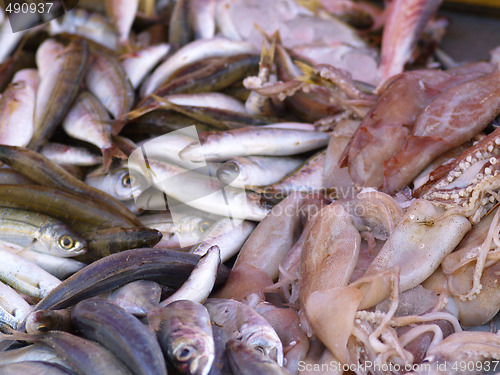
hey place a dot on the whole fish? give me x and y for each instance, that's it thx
(58, 89)
(195, 51)
(246, 360)
(121, 333)
(139, 64)
(185, 334)
(169, 268)
(138, 297)
(107, 80)
(122, 14)
(245, 324)
(17, 105)
(88, 121)
(196, 190)
(85, 356)
(40, 233)
(104, 242)
(220, 146)
(43, 171)
(247, 171)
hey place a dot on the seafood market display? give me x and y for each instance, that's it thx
(217, 187)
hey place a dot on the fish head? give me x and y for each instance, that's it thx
(191, 351)
(63, 240)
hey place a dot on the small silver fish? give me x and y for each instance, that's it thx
(185, 334)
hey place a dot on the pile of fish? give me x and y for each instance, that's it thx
(246, 187)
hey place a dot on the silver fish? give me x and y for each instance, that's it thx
(245, 324)
(185, 334)
(116, 182)
(73, 155)
(195, 51)
(122, 14)
(13, 308)
(202, 18)
(228, 234)
(139, 64)
(247, 171)
(220, 146)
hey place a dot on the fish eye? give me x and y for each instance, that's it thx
(185, 353)
(204, 225)
(260, 349)
(42, 328)
(127, 180)
(66, 242)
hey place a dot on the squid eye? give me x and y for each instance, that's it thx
(66, 242)
(204, 225)
(127, 180)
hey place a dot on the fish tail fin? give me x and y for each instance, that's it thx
(117, 125)
(109, 153)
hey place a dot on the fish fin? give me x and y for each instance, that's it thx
(117, 125)
(108, 154)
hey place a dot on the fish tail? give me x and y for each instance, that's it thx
(109, 152)
(117, 125)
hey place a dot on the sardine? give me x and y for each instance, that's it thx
(246, 360)
(196, 190)
(122, 14)
(57, 91)
(42, 170)
(104, 242)
(229, 235)
(25, 276)
(138, 297)
(220, 146)
(17, 105)
(197, 50)
(185, 334)
(87, 120)
(85, 356)
(256, 170)
(199, 285)
(138, 65)
(169, 268)
(121, 333)
(40, 233)
(243, 323)
(49, 320)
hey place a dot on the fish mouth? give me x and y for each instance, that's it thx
(200, 365)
